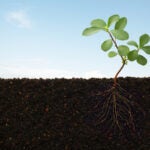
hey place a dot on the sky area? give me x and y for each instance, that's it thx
(43, 38)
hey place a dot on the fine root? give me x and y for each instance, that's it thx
(115, 113)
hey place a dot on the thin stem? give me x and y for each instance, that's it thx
(115, 78)
(123, 60)
(114, 41)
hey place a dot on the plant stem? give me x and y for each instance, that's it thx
(115, 78)
(123, 60)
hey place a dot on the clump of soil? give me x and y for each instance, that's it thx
(57, 114)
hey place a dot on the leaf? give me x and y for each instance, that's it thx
(112, 54)
(90, 31)
(144, 39)
(120, 34)
(106, 45)
(132, 55)
(146, 49)
(121, 24)
(112, 19)
(133, 43)
(141, 60)
(123, 50)
(98, 23)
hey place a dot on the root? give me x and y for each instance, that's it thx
(115, 113)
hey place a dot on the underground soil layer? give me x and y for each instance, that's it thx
(54, 114)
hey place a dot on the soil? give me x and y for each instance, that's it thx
(55, 114)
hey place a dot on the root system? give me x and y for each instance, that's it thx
(116, 114)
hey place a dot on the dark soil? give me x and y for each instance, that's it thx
(54, 114)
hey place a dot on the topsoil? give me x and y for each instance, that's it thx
(53, 114)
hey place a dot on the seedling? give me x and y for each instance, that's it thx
(115, 110)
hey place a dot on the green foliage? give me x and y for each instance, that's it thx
(132, 55)
(133, 43)
(117, 32)
(98, 23)
(141, 60)
(106, 45)
(146, 49)
(120, 34)
(121, 23)
(112, 19)
(144, 39)
(90, 31)
(123, 50)
(112, 54)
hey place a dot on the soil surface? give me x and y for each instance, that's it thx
(53, 114)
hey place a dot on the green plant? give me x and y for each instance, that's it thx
(118, 33)
(115, 105)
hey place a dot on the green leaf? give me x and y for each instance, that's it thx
(112, 54)
(133, 43)
(141, 60)
(98, 23)
(144, 39)
(120, 34)
(146, 49)
(123, 50)
(132, 55)
(90, 31)
(112, 19)
(106, 45)
(121, 24)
